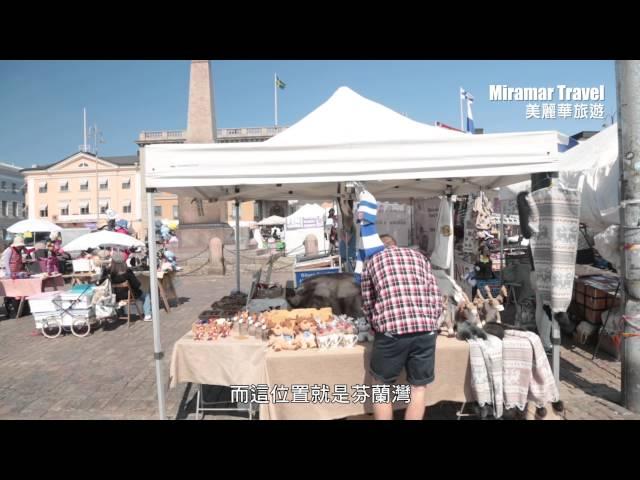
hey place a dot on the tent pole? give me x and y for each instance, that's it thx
(627, 82)
(237, 209)
(158, 354)
(502, 262)
(452, 268)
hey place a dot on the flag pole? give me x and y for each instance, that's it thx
(461, 113)
(275, 95)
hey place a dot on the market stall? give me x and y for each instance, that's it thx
(249, 362)
(308, 220)
(23, 288)
(594, 164)
(347, 139)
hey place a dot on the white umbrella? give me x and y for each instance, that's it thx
(103, 238)
(273, 220)
(34, 226)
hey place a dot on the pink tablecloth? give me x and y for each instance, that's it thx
(24, 287)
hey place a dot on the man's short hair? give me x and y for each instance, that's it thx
(388, 240)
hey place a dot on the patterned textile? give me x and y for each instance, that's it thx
(441, 256)
(527, 374)
(509, 373)
(483, 211)
(485, 358)
(399, 293)
(369, 242)
(469, 244)
(554, 220)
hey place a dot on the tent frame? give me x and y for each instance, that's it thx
(158, 354)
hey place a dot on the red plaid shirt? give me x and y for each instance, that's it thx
(399, 292)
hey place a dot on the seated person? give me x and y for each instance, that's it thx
(118, 272)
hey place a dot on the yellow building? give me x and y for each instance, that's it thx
(79, 191)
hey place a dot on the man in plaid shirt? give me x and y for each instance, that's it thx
(402, 301)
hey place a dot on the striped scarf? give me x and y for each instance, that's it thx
(369, 242)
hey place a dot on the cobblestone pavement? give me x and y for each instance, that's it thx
(110, 374)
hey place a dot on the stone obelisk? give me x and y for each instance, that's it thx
(200, 219)
(201, 126)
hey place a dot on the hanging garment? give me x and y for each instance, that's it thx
(469, 244)
(482, 209)
(441, 257)
(369, 242)
(555, 213)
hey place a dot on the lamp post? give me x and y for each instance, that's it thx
(95, 132)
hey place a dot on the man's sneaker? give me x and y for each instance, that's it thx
(147, 318)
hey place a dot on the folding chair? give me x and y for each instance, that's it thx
(131, 300)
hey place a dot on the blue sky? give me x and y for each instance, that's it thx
(41, 101)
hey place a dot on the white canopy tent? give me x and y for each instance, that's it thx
(310, 219)
(272, 220)
(351, 138)
(348, 138)
(596, 159)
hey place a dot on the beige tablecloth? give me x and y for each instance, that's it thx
(226, 361)
(25, 287)
(248, 362)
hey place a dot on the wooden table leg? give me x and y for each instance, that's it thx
(163, 295)
(171, 289)
(20, 308)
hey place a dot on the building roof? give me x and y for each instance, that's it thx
(584, 135)
(118, 160)
(122, 160)
(7, 169)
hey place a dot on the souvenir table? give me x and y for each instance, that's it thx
(231, 361)
(24, 287)
(165, 286)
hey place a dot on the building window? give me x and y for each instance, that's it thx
(13, 188)
(104, 206)
(83, 164)
(175, 212)
(4, 185)
(157, 211)
(126, 185)
(64, 187)
(64, 210)
(84, 208)
(104, 184)
(5, 212)
(44, 211)
(126, 208)
(84, 186)
(43, 187)
(25, 211)
(14, 209)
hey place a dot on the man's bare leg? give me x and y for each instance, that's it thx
(416, 408)
(383, 411)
